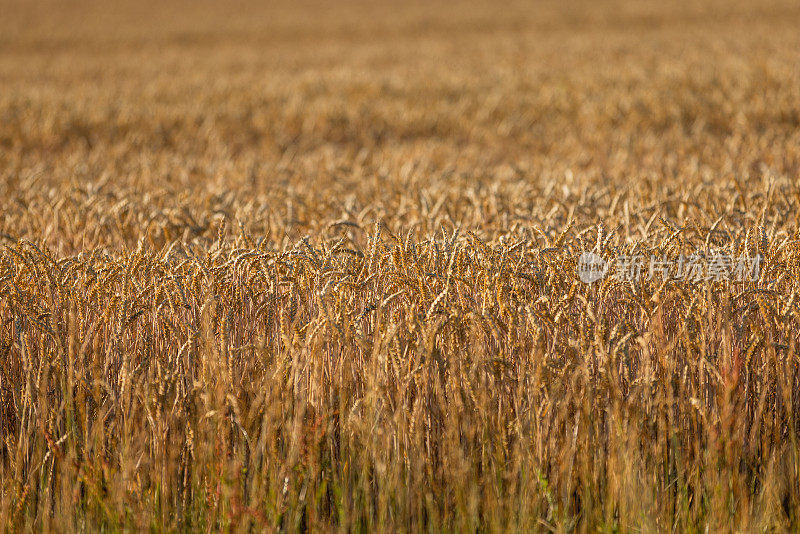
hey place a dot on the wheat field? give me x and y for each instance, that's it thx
(313, 267)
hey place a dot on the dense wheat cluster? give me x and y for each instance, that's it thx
(310, 266)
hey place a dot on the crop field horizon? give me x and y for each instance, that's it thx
(358, 266)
